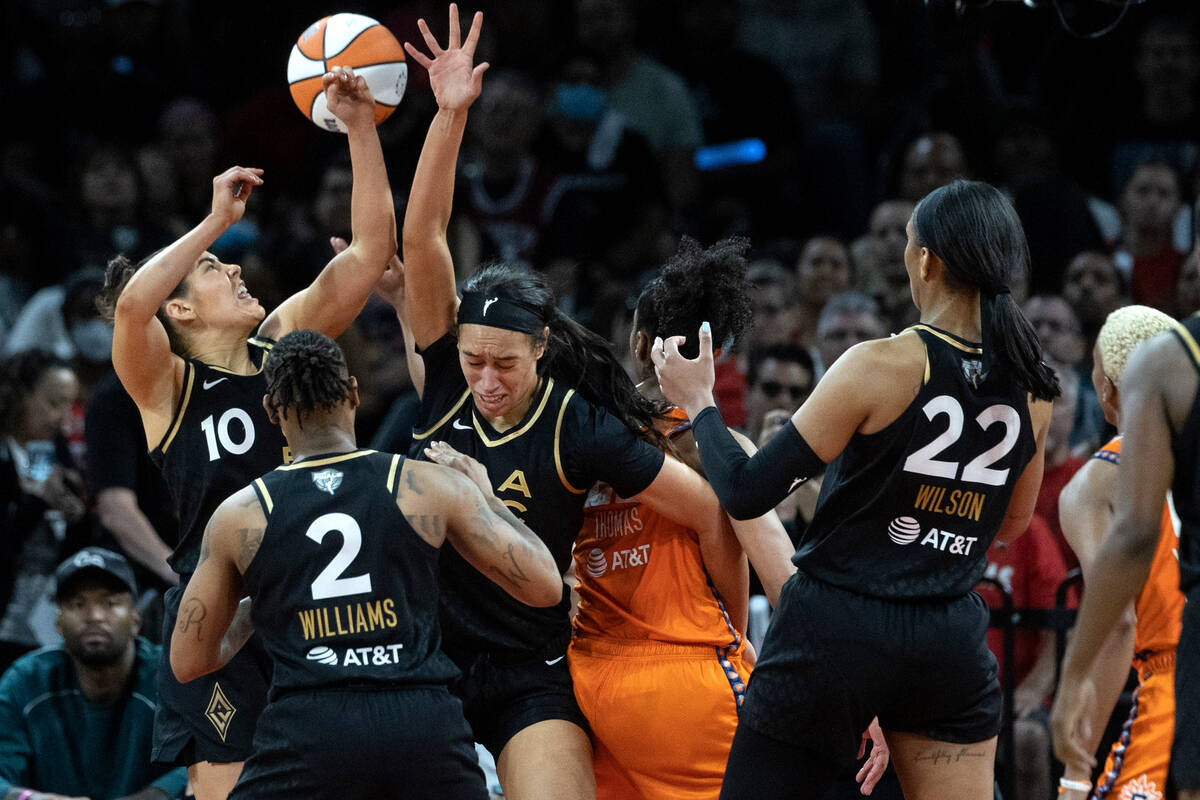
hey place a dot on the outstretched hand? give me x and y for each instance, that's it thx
(686, 382)
(231, 190)
(349, 97)
(876, 763)
(447, 456)
(454, 77)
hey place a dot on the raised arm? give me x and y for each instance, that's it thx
(339, 292)
(456, 82)
(482, 529)
(214, 592)
(141, 351)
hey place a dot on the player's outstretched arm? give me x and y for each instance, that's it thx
(212, 597)
(765, 542)
(485, 531)
(456, 81)
(141, 351)
(339, 293)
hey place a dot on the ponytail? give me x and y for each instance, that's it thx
(973, 228)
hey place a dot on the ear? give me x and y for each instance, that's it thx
(352, 391)
(540, 349)
(929, 265)
(642, 342)
(135, 619)
(1110, 394)
(179, 308)
(272, 413)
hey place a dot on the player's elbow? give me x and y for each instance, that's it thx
(188, 663)
(546, 590)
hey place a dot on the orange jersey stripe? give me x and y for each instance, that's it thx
(641, 576)
(1159, 605)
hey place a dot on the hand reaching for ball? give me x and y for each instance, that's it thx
(455, 79)
(349, 97)
(231, 190)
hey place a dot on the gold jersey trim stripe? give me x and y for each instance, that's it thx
(950, 340)
(514, 434)
(266, 496)
(1189, 342)
(391, 481)
(437, 425)
(320, 462)
(562, 476)
(188, 383)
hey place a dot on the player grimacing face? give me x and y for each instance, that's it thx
(219, 296)
(501, 369)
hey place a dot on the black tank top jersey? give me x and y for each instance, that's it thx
(542, 469)
(909, 511)
(219, 440)
(1185, 488)
(344, 590)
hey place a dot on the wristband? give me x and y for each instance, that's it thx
(1066, 785)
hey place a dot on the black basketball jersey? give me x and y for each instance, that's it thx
(1185, 487)
(542, 469)
(219, 440)
(909, 511)
(344, 590)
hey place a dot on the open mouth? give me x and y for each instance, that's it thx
(243, 293)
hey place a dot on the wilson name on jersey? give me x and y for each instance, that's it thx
(910, 511)
(219, 440)
(344, 590)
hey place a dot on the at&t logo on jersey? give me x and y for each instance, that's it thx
(377, 655)
(598, 564)
(906, 530)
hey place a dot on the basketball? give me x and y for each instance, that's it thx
(346, 40)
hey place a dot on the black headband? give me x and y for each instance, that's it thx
(500, 312)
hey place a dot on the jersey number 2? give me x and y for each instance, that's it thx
(330, 582)
(979, 469)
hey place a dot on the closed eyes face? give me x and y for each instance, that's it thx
(500, 367)
(219, 296)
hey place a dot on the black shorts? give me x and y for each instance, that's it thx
(211, 718)
(832, 660)
(1185, 751)
(501, 700)
(339, 743)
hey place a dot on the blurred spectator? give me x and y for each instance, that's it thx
(1094, 288)
(779, 377)
(302, 242)
(931, 160)
(131, 499)
(774, 307)
(1030, 571)
(1187, 291)
(823, 270)
(653, 99)
(1146, 255)
(1061, 464)
(847, 319)
(880, 258)
(76, 720)
(41, 499)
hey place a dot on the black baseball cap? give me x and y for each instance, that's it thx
(94, 560)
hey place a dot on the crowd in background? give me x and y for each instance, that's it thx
(607, 130)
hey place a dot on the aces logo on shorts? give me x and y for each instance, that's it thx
(220, 711)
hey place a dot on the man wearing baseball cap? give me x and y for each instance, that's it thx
(76, 720)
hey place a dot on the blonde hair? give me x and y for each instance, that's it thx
(1124, 330)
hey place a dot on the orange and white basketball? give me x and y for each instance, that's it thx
(346, 40)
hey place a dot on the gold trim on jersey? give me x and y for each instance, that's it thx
(266, 496)
(945, 337)
(256, 342)
(391, 482)
(435, 426)
(1188, 341)
(188, 383)
(508, 437)
(562, 476)
(320, 462)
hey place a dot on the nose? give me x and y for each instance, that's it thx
(94, 611)
(233, 270)
(488, 379)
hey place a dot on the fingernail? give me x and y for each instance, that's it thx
(704, 326)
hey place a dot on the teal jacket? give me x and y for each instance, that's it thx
(53, 739)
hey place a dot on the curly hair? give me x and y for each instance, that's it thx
(116, 276)
(696, 285)
(1124, 330)
(306, 372)
(19, 374)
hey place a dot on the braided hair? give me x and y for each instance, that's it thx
(696, 285)
(306, 372)
(576, 356)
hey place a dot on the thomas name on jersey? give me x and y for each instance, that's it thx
(363, 617)
(958, 503)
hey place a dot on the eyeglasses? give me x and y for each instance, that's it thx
(773, 388)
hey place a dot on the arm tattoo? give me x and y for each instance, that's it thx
(251, 539)
(515, 572)
(427, 524)
(192, 615)
(205, 549)
(412, 483)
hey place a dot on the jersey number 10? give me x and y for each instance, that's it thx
(979, 469)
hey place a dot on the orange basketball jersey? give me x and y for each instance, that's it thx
(641, 576)
(1159, 606)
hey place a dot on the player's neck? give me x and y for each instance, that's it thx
(954, 314)
(316, 440)
(229, 354)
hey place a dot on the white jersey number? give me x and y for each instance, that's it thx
(979, 469)
(330, 582)
(220, 432)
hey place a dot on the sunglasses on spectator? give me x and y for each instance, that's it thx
(773, 388)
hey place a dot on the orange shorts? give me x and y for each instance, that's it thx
(1136, 768)
(662, 715)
